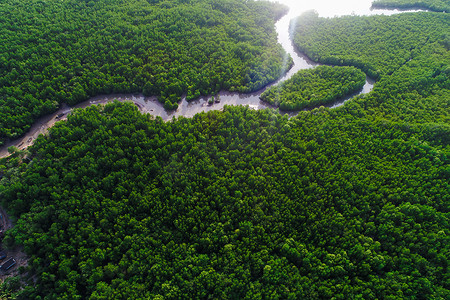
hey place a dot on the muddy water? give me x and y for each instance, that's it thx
(150, 105)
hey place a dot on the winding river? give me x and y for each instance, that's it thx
(325, 8)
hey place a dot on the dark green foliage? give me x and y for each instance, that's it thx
(351, 203)
(410, 90)
(67, 51)
(115, 203)
(312, 87)
(433, 5)
(378, 45)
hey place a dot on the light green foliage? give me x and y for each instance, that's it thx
(67, 51)
(410, 89)
(312, 87)
(115, 203)
(378, 45)
(433, 5)
(350, 203)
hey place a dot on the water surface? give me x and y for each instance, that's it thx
(325, 8)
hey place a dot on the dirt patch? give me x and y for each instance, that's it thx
(21, 261)
(16, 253)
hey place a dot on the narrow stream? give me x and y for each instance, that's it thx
(189, 109)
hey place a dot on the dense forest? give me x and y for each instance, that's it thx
(433, 5)
(412, 87)
(346, 203)
(314, 87)
(378, 45)
(67, 51)
(233, 204)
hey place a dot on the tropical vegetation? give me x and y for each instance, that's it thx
(433, 5)
(378, 44)
(67, 51)
(314, 87)
(346, 203)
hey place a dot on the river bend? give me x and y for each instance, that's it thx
(189, 109)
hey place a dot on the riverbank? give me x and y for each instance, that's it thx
(187, 108)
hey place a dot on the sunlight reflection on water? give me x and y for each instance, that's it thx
(330, 8)
(325, 8)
